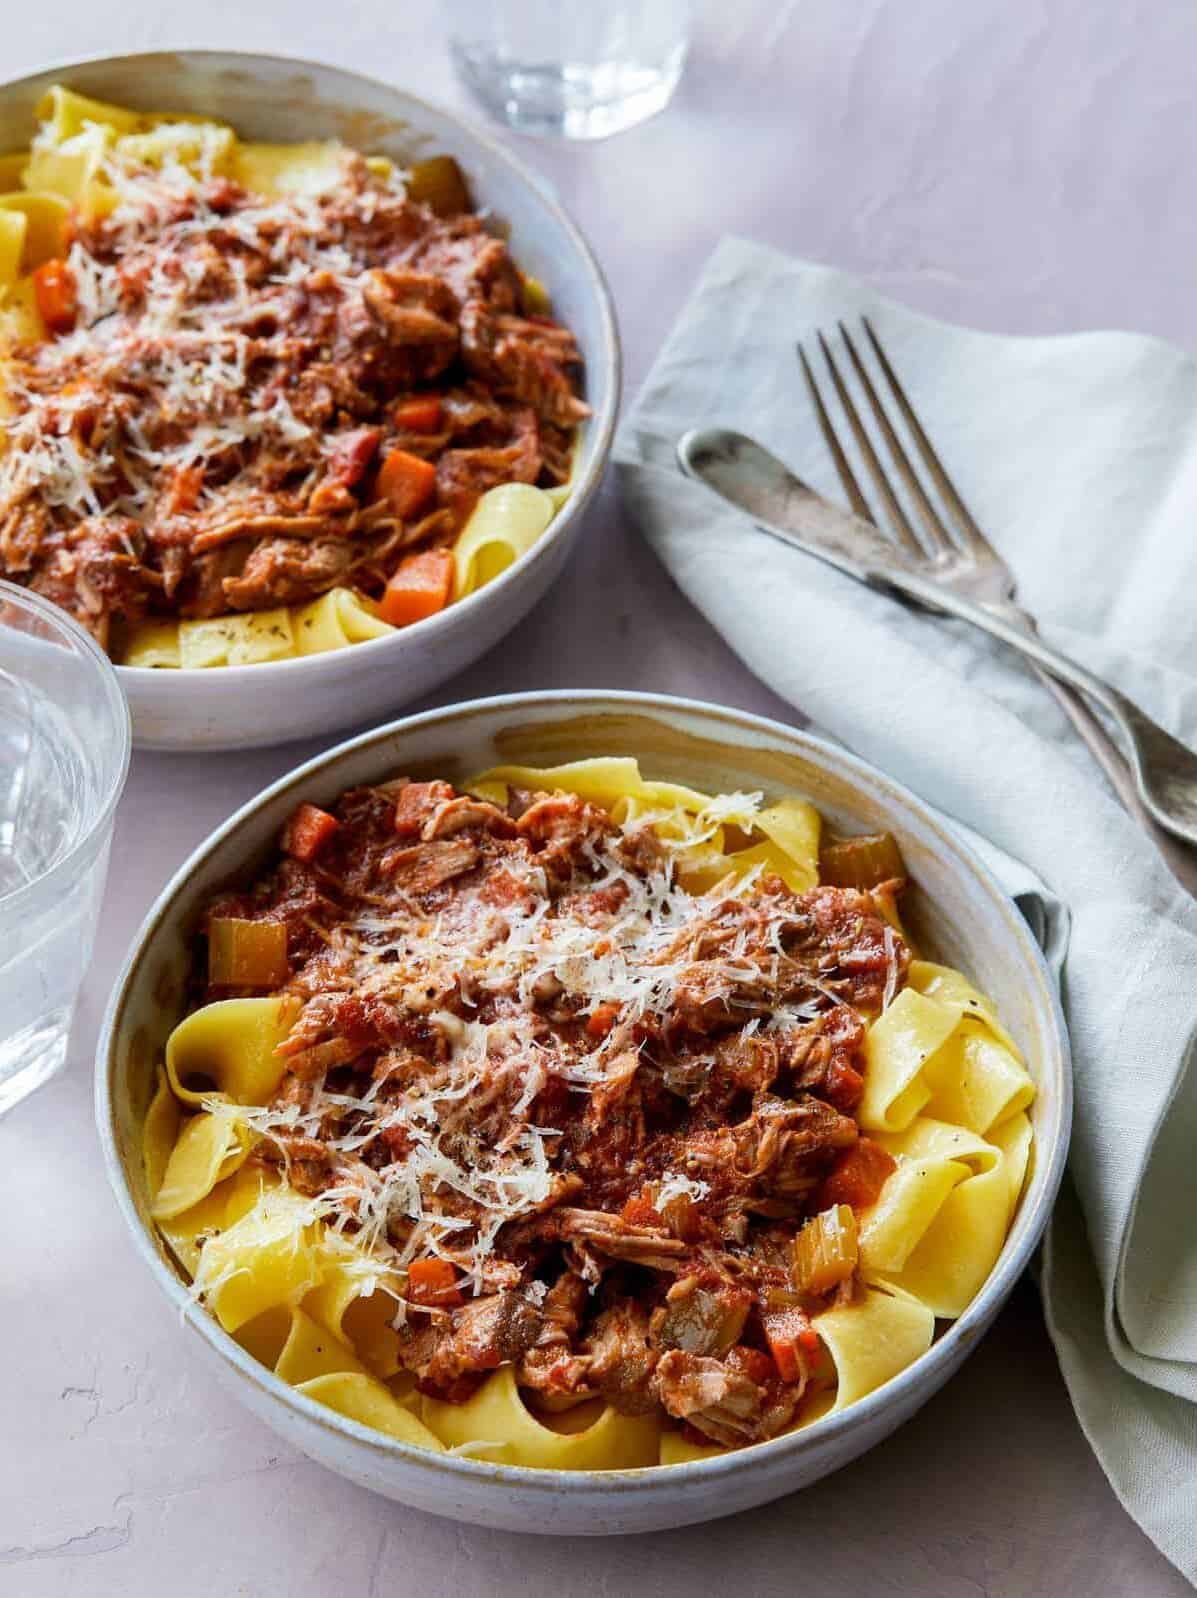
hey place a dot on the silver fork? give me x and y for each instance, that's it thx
(950, 568)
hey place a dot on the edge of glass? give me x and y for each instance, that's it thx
(122, 726)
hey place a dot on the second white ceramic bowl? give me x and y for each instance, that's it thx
(280, 100)
(956, 910)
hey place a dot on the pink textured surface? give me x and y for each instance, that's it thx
(1021, 168)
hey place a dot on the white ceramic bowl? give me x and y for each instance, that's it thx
(277, 99)
(955, 908)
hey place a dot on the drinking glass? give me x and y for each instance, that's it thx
(582, 68)
(64, 755)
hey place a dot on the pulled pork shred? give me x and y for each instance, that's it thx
(608, 1103)
(205, 440)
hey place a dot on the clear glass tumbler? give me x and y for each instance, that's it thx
(64, 755)
(581, 68)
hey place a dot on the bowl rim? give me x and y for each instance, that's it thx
(613, 1484)
(610, 363)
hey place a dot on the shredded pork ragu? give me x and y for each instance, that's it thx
(588, 1109)
(206, 438)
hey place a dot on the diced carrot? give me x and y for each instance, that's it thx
(247, 954)
(640, 1212)
(419, 414)
(682, 1218)
(433, 1283)
(54, 291)
(792, 1341)
(844, 1086)
(415, 805)
(753, 1363)
(857, 1177)
(551, 1104)
(308, 830)
(397, 1140)
(601, 1019)
(406, 482)
(185, 485)
(419, 588)
(352, 453)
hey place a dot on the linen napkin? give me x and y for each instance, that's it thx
(1078, 456)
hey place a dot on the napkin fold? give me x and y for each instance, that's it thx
(1078, 455)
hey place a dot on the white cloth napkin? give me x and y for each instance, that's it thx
(1078, 456)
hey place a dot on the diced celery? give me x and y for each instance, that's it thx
(825, 1250)
(861, 862)
(247, 954)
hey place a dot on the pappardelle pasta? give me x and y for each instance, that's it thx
(262, 400)
(577, 1120)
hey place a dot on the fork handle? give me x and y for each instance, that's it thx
(1180, 858)
(1148, 746)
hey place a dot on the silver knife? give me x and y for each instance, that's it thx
(752, 480)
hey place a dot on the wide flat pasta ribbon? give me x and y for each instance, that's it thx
(948, 986)
(943, 1257)
(677, 1449)
(13, 227)
(976, 1081)
(368, 1402)
(209, 1148)
(352, 1302)
(1015, 1139)
(232, 1198)
(311, 1350)
(334, 621)
(503, 526)
(872, 1340)
(201, 146)
(506, 522)
(245, 640)
(279, 169)
(497, 1425)
(270, 1256)
(71, 169)
(45, 217)
(230, 1044)
(900, 1046)
(297, 1343)
(62, 113)
(606, 780)
(691, 821)
(159, 1133)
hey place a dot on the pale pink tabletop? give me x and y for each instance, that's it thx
(1023, 167)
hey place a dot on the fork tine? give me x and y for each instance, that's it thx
(937, 533)
(830, 437)
(898, 518)
(966, 529)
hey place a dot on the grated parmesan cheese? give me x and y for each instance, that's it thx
(183, 348)
(471, 1156)
(675, 1185)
